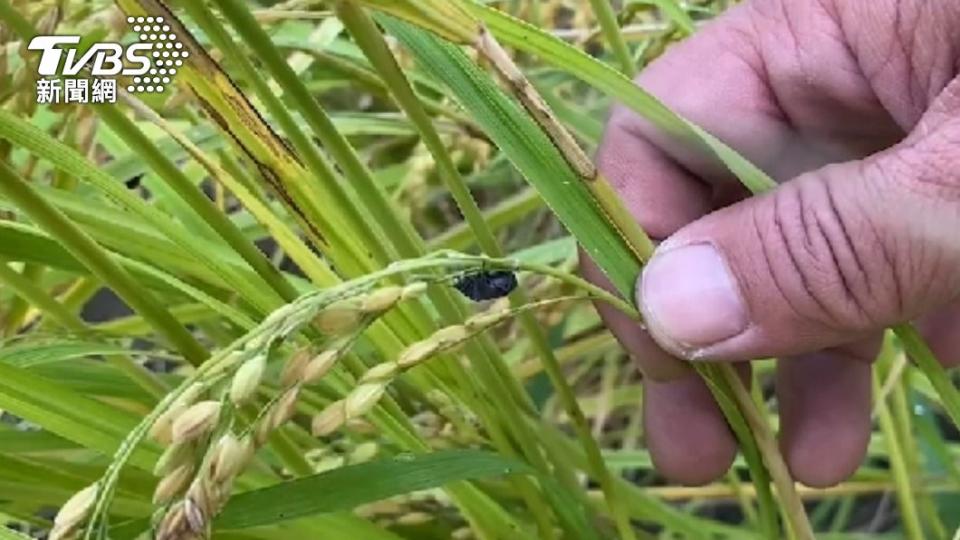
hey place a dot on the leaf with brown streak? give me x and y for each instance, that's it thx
(233, 113)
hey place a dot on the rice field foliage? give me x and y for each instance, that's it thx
(325, 285)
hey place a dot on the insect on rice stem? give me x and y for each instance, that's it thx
(485, 284)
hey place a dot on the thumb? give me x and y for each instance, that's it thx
(820, 261)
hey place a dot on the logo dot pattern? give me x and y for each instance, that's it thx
(168, 54)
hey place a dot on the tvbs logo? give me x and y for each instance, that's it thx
(149, 64)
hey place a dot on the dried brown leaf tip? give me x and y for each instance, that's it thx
(488, 46)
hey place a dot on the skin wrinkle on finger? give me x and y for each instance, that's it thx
(734, 75)
(818, 84)
(811, 269)
(893, 61)
(924, 190)
(785, 267)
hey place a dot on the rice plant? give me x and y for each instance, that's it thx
(317, 277)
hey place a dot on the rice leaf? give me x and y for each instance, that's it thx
(348, 487)
(10, 534)
(31, 442)
(32, 353)
(68, 414)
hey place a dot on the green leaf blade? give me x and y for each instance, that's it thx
(348, 487)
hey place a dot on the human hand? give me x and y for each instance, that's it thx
(854, 106)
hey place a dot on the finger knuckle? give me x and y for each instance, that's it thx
(929, 167)
(829, 261)
(920, 212)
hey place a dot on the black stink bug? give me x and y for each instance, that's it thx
(486, 284)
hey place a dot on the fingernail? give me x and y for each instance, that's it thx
(690, 297)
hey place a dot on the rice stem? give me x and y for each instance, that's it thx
(607, 18)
